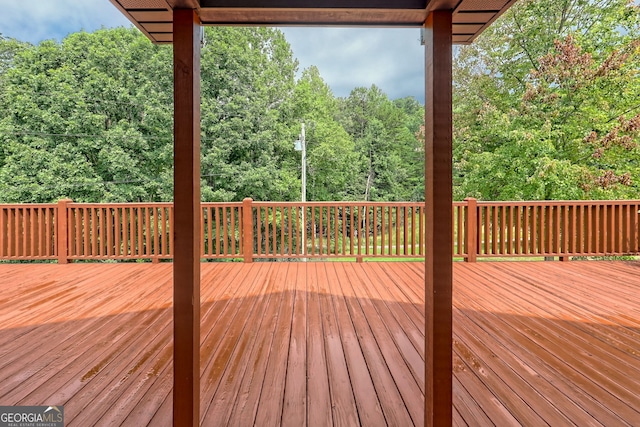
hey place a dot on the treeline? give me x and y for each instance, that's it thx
(546, 106)
(90, 118)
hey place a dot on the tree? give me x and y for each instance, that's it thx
(385, 140)
(248, 129)
(78, 120)
(81, 120)
(330, 149)
(546, 103)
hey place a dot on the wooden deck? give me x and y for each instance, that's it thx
(325, 343)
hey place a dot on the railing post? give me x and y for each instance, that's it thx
(247, 229)
(62, 230)
(471, 229)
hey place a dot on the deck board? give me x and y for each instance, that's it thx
(325, 343)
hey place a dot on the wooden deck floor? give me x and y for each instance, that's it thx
(325, 343)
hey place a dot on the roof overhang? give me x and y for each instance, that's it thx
(470, 17)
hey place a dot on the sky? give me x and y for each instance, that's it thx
(347, 58)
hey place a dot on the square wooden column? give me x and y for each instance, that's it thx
(438, 199)
(186, 228)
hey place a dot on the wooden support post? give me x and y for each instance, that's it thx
(247, 229)
(186, 229)
(62, 231)
(471, 229)
(438, 205)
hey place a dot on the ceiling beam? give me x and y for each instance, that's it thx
(315, 4)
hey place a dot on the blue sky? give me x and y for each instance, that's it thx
(347, 58)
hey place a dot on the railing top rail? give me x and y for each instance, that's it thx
(145, 204)
(119, 205)
(228, 204)
(27, 205)
(324, 204)
(559, 203)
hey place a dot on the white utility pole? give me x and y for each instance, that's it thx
(301, 145)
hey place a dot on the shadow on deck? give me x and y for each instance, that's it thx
(325, 343)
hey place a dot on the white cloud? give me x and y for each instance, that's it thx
(54, 19)
(392, 59)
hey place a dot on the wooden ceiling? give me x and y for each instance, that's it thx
(470, 17)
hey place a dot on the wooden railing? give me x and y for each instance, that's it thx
(338, 229)
(28, 231)
(555, 228)
(318, 230)
(118, 231)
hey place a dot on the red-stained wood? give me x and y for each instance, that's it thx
(259, 232)
(283, 230)
(237, 365)
(313, 231)
(276, 368)
(344, 411)
(319, 411)
(218, 238)
(294, 410)
(62, 231)
(400, 355)
(383, 210)
(225, 232)
(373, 351)
(148, 245)
(438, 205)
(397, 228)
(405, 229)
(274, 232)
(186, 227)
(321, 230)
(410, 346)
(4, 232)
(471, 232)
(534, 343)
(366, 398)
(561, 365)
(254, 386)
(296, 232)
(247, 230)
(203, 227)
(76, 231)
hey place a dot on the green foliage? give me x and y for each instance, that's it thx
(545, 107)
(76, 121)
(247, 90)
(91, 119)
(391, 158)
(330, 149)
(546, 104)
